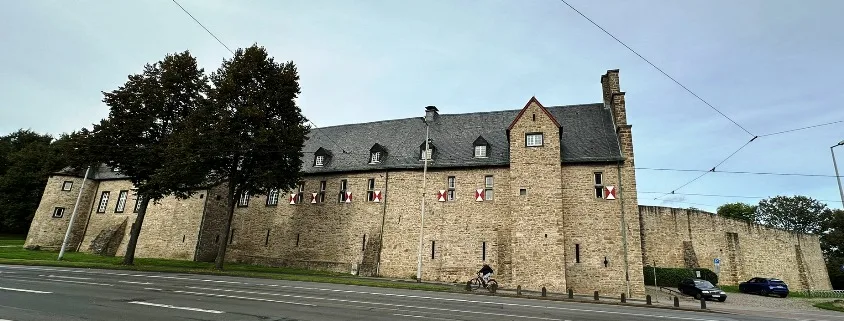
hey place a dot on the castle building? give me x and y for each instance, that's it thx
(545, 195)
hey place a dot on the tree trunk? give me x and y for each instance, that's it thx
(129, 258)
(221, 251)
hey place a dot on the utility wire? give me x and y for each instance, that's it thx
(657, 68)
(725, 196)
(802, 128)
(711, 170)
(203, 27)
(733, 172)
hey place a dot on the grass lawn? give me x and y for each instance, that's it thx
(831, 305)
(12, 252)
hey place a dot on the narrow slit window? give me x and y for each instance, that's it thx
(483, 251)
(577, 253)
(321, 195)
(363, 247)
(433, 246)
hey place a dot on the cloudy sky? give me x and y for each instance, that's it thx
(770, 65)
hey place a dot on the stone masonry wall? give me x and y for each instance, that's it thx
(212, 226)
(538, 225)
(745, 250)
(47, 231)
(170, 228)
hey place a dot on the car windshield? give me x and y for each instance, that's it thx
(777, 282)
(703, 284)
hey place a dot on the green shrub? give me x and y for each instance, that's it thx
(671, 277)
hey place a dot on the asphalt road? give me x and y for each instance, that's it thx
(48, 293)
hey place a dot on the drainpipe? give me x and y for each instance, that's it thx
(383, 219)
(623, 230)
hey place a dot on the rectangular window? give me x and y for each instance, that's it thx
(244, 200)
(375, 157)
(533, 139)
(577, 253)
(319, 161)
(68, 185)
(480, 151)
(137, 204)
(300, 194)
(425, 154)
(523, 191)
(272, 197)
(58, 212)
(483, 251)
(488, 181)
(370, 189)
(121, 201)
(451, 187)
(342, 196)
(103, 202)
(433, 246)
(321, 195)
(599, 185)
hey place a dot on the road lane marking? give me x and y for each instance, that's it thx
(242, 297)
(25, 290)
(65, 277)
(420, 316)
(153, 289)
(78, 282)
(175, 307)
(133, 282)
(467, 301)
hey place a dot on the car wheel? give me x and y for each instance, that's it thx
(722, 299)
(698, 296)
(764, 292)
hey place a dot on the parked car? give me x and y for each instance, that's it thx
(701, 289)
(764, 286)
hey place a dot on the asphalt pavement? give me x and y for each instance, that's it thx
(50, 293)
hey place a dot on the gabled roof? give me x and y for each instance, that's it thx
(536, 101)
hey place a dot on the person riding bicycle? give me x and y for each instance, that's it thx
(485, 273)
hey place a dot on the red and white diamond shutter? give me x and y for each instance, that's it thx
(376, 196)
(479, 195)
(441, 195)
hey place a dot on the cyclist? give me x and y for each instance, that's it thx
(485, 273)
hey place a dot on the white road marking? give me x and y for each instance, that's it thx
(242, 297)
(65, 277)
(133, 282)
(153, 289)
(25, 290)
(467, 301)
(79, 282)
(175, 307)
(419, 316)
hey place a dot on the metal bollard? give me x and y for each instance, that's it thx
(648, 299)
(543, 291)
(702, 303)
(676, 302)
(596, 295)
(571, 294)
(519, 289)
(623, 298)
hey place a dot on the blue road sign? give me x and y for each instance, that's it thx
(717, 261)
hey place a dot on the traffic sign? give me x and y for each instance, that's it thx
(717, 261)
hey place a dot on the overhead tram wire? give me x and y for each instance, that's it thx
(733, 172)
(801, 128)
(203, 27)
(727, 196)
(709, 171)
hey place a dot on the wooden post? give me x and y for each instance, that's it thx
(702, 303)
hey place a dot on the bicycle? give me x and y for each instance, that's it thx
(477, 283)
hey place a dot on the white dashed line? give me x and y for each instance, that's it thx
(175, 307)
(133, 282)
(25, 290)
(242, 297)
(65, 277)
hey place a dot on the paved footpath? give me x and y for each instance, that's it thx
(49, 293)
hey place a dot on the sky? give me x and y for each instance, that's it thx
(770, 65)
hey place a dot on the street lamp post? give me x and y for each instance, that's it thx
(837, 177)
(73, 215)
(422, 218)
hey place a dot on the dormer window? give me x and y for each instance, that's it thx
(481, 148)
(377, 154)
(321, 157)
(427, 154)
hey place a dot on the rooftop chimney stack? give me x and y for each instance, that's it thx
(431, 113)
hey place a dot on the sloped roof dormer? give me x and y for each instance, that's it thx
(422, 151)
(377, 153)
(322, 157)
(480, 141)
(532, 100)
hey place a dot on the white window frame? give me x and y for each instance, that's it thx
(272, 197)
(598, 180)
(321, 195)
(244, 200)
(423, 153)
(67, 185)
(60, 211)
(103, 202)
(481, 151)
(319, 161)
(451, 185)
(370, 190)
(489, 182)
(534, 139)
(121, 201)
(300, 192)
(137, 204)
(344, 185)
(374, 157)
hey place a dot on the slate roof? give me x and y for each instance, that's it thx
(101, 172)
(587, 135)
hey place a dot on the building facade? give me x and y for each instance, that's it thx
(545, 195)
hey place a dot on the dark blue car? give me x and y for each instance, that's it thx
(764, 286)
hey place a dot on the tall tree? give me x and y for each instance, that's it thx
(798, 214)
(254, 132)
(26, 161)
(739, 211)
(832, 236)
(146, 113)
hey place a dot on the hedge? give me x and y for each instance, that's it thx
(671, 277)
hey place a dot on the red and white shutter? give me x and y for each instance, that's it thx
(441, 195)
(609, 191)
(313, 198)
(479, 195)
(348, 197)
(292, 199)
(376, 196)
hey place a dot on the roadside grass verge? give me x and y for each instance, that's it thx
(729, 288)
(831, 305)
(20, 256)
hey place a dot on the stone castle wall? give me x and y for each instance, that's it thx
(47, 231)
(686, 238)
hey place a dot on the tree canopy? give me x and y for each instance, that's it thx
(739, 211)
(799, 214)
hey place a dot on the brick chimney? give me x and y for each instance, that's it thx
(614, 97)
(431, 113)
